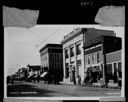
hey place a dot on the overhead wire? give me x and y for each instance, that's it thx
(36, 46)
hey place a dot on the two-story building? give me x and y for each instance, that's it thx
(103, 58)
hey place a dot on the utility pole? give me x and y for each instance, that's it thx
(84, 30)
(104, 62)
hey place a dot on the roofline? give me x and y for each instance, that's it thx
(49, 44)
(82, 30)
(97, 40)
(71, 35)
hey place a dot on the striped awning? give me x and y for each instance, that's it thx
(43, 74)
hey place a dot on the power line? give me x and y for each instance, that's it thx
(42, 43)
(37, 36)
(49, 36)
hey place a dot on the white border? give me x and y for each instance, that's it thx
(5, 63)
(123, 66)
(61, 98)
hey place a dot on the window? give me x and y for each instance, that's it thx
(66, 54)
(78, 49)
(109, 69)
(93, 58)
(79, 62)
(119, 66)
(89, 59)
(98, 57)
(115, 66)
(72, 51)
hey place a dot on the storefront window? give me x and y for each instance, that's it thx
(109, 69)
(115, 66)
(109, 74)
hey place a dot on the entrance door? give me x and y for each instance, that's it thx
(79, 66)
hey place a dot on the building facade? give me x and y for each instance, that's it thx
(73, 52)
(103, 58)
(73, 56)
(52, 60)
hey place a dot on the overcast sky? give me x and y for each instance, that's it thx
(22, 45)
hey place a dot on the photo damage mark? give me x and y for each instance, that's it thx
(111, 16)
(13, 17)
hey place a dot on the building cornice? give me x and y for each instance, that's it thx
(71, 35)
(59, 46)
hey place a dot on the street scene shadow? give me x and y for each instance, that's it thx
(25, 90)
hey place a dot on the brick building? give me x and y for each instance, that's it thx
(103, 57)
(52, 60)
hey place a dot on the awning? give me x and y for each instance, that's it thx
(43, 74)
(30, 75)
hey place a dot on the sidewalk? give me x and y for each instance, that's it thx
(110, 85)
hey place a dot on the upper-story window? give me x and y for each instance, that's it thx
(93, 58)
(98, 57)
(79, 62)
(89, 59)
(66, 53)
(78, 49)
(72, 51)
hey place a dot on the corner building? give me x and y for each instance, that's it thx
(73, 55)
(73, 52)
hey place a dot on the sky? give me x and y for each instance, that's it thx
(22, 45)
